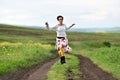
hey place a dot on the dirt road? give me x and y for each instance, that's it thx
(40, 73)
(91, 71)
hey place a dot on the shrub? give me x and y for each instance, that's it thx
(108, 44)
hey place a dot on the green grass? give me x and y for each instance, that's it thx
(23, 47)
(107, 58)
(14, 55)
(59, 72)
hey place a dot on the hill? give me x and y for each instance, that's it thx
(113, 29)
(23, 34)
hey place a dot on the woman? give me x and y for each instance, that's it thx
(61, 40)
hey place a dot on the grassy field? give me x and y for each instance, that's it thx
(14, 55)
(102, 48)
(19, 46)
(95, 47)
(22, 47)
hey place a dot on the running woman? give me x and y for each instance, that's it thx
(61, 40)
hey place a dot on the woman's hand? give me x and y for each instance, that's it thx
(72, 25)
(47, 25)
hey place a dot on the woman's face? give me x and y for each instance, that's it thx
(60, 20)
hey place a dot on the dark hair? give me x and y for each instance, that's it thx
(59, 17)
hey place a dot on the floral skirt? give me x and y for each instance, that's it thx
(63, 42)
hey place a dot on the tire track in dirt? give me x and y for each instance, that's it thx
(91, 71)
(41, 72)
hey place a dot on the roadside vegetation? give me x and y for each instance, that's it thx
(22, 47)
(14, 55)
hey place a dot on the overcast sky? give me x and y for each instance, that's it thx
(84, 13)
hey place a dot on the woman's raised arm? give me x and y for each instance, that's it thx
(70, 26)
